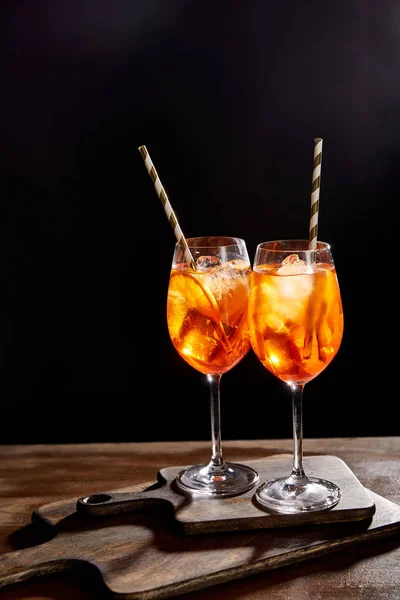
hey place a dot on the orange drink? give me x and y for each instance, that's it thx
(207, 322)
(296, 317)
(207, 302)
(296, 328)
(207, 313)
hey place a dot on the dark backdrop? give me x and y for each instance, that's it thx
(228, 97)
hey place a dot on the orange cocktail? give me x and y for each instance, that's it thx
(296, 317)
(207, 313)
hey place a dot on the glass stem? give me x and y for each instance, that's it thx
(297, 407)
(217, 462)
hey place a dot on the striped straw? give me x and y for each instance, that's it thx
(167, 206)
(316, 184)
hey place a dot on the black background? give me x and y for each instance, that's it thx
(228, 97)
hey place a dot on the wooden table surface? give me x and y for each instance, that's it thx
(34, 475)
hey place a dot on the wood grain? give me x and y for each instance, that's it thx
(140, 556)
(33, 475)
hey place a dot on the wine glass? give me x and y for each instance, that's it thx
(207, 322)
(296, 328)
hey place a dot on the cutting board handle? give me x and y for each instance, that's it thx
(112, 503)
(21, 565)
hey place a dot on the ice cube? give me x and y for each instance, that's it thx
(207, 262)
(293, 265)
(294, 286)
(229, 284)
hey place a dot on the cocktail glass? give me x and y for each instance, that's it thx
(208, 326)
(296, 328)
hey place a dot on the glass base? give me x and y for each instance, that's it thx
(306, 495)
(208, 482)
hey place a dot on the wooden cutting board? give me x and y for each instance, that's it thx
(198, 516)
(141, 555)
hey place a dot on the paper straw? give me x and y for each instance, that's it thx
(178, 233)
(315, 187)
(167, 206)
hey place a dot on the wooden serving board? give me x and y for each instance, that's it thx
(199, 516)
(139, 556)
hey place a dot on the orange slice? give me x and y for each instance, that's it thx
(187, 292)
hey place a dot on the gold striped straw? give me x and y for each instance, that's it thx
(315, 187)
(167, 206)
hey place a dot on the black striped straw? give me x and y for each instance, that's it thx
(167, 206)
(315, 188)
